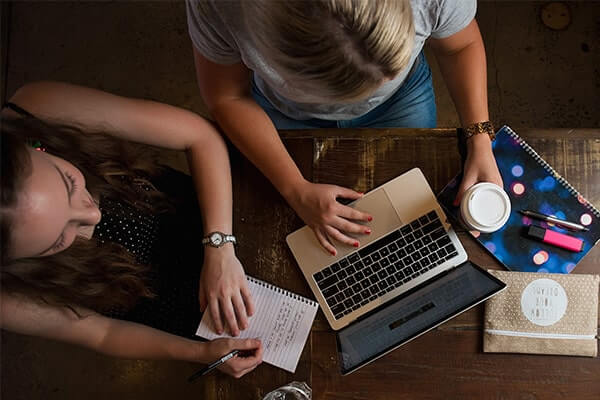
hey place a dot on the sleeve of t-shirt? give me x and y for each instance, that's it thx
(453, 16)
(209, 34)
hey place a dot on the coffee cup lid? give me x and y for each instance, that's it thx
(488, 207)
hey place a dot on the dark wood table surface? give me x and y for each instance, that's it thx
(447, 362)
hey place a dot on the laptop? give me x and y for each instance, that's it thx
(408, 276)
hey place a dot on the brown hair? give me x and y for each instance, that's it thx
(86, 274)
(340, 49)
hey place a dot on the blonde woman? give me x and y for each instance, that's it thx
(264, 65)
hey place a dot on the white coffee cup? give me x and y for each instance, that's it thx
(485, 207)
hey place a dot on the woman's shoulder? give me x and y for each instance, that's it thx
(442, 18)
(216, 29)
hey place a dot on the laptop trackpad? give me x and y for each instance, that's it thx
(385, 218)
(397, 322)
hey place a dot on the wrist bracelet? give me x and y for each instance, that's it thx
(477, 128)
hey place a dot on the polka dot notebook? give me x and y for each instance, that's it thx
(532, 184)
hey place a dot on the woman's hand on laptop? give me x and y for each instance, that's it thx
(224, 290)
(318, 207)
(480, 166)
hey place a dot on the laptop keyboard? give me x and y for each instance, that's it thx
(385, 264)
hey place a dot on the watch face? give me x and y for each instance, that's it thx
(216, 239)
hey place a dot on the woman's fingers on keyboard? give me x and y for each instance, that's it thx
(324, 241)
(346, 193)
(340, 237)
(347, 226)
(353, 214)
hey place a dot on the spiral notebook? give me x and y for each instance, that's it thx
(282, 321)
(531, 184)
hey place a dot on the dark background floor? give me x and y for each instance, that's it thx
(537, 77)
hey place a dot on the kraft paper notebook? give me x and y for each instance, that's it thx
(543, 314)
(531, 184)
(282, 322)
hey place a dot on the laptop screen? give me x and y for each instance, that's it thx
(414, 313)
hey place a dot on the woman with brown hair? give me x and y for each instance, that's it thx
(100, 246)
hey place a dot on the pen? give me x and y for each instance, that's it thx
(560, 222)
(214, 365)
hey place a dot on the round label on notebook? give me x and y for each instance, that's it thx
(544, 302)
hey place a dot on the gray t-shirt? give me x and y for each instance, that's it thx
(218, 32)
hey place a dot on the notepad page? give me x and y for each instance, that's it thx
(282, 321)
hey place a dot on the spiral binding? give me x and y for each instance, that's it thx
(552, 172)
(284, 292)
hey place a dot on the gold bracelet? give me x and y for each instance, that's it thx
(477, 128)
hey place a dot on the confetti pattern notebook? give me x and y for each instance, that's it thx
(531, 184)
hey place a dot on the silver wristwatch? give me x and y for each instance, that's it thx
(218, 239)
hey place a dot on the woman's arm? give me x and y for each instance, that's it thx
(462, 61)
(119, 338)
(226, 91)
(223, 285)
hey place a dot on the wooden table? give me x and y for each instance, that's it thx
(448, 362)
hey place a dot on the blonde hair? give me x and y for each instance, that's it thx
(338, 49)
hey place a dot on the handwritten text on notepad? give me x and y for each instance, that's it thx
(282, 321)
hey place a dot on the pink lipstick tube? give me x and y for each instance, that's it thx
(556, 238)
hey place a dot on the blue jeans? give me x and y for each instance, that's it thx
(411, 106)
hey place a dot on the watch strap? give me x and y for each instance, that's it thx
(230, 238)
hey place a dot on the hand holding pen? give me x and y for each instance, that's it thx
(235, 357)
(213, 365)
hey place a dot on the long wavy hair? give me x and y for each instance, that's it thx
(100, 277)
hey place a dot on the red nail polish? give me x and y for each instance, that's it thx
(355, 244)
(368, 231)
(332, 253)
(370, 218)
(361, 193)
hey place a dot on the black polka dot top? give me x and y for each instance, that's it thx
(169, 244)
(125, 225)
